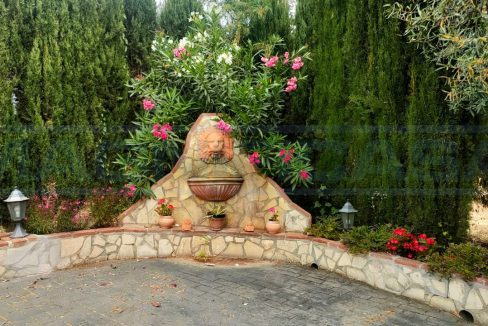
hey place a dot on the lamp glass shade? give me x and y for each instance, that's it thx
(17, 210)
(347, 220)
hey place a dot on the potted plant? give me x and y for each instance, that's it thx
(165, 211)
(216, 217)
(272, 225)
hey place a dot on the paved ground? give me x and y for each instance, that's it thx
(179, 292)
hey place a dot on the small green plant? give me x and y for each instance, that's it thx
(217, 210)
(328, 227)
(363, 239)
(466, 259)
(203, 254)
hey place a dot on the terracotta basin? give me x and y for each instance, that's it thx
(215, 188)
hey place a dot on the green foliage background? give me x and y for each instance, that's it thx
(383, 134)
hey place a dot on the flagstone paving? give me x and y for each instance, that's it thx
(183, 292)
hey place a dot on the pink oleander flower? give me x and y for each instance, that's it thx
(272, 210)
(224, 127)
(291, 85)
(297, 63)
(179, 52)
(254, 158)
(287, 58)
(148, 105)
(287, 158)
(272, 62)
(304, 175)
(131, 189)
(286, 155)
(264, 59)
(282, 153)
(161, 132)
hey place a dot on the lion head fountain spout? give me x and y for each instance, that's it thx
(217, 181)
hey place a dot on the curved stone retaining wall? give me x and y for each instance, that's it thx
(43, 254)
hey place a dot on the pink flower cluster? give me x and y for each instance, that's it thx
(304, 175)
(148, 105)
(297, 63)
(179, 52)
(224, 127)
(286, 155)
(254, 158)
(161, 132)
(291, 85)
(271, 62)
(131, 190)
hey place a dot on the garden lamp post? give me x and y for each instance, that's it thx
(17, 204)
(347, 213)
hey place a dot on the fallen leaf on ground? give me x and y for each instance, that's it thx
(156, 304)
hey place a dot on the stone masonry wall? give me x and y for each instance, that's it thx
(43, 254)
(257, 194)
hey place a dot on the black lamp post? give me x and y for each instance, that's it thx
(347, 213)
(17, 204)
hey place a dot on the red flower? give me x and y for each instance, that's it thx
(161, 201)
(304, 175)
(171, 207)
(399, 231)
(430, 241)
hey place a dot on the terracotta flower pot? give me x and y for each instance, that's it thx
(273, 227)
(186, 225)
(216, 223)
(166, 222)
(249, 227)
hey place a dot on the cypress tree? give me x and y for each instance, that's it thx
(274, 21)
(140, 25)
(174, 16)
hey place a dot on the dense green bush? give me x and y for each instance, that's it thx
(106, 204)
(467, 259)
(363, 239)
(328, 227)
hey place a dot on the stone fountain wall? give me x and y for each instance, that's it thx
(257, 194)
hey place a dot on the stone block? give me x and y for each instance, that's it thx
(473, 301)
(417, 278)
(113, 238)
(392, 284)
(110, 248)
(252, 250)
(484, 295)
(443, 303)
(146, 251)
(268, 254)
(438, 286)
(415, 293)
(234, 250)
(291, 257)
(355, 274)
(359, 262)
(71, 246)
(218, 245)
(64, 263)
(458, 289)
(317, 251)
(86, 248)
(287, 245)
(184, 249)
(98, 240)
(267, 244)
(96, 251)
(165, 248)
(345, 260)
(239, 240)
(403, 280)
(198, 241)
(126, 252)
(128, 239)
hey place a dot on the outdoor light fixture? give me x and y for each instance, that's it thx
(347, 213)
(17, 204)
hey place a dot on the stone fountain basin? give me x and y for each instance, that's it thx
(215, 188)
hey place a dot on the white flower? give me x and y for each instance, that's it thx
(153, 45)
(236, 47)
(170, 41)
(226, 57)
(184, 42)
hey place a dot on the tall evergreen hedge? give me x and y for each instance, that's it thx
(384, 137)
(174, 16)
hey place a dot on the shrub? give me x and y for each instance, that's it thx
(328, 227)
(363, 239)
(106, 204)
(466, 259)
